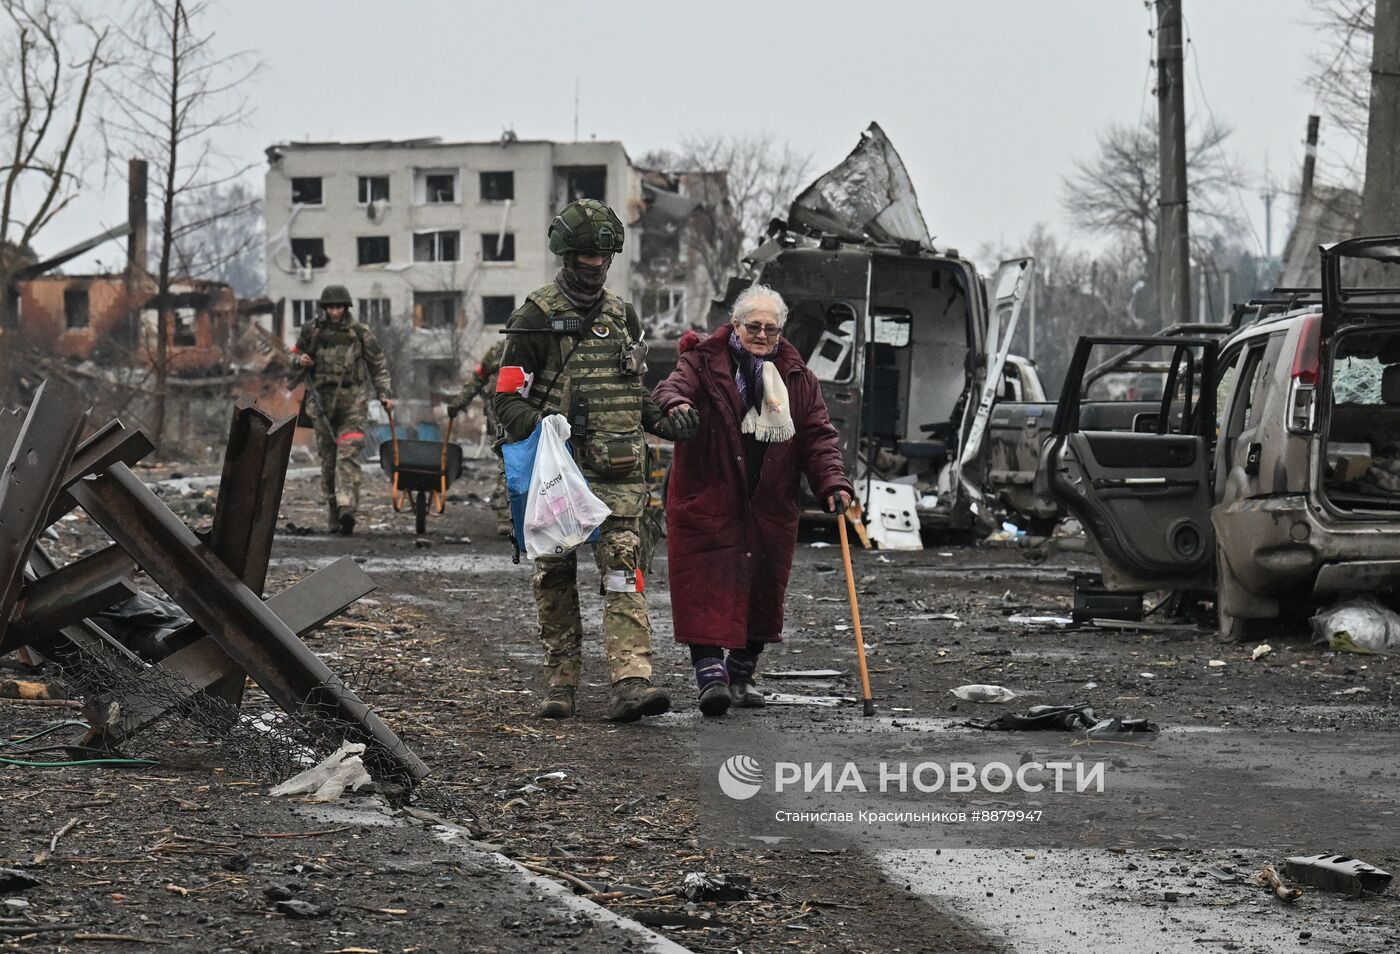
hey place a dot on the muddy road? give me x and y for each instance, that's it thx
(445, 651)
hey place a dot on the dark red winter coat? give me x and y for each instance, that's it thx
(730, 555)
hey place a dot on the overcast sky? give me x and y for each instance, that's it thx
(989, 102)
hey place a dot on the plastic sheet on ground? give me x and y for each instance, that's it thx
(1359, 625)
(328, 780)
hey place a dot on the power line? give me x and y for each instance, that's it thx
(1235, 189)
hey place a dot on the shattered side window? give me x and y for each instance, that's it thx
(1357, 380)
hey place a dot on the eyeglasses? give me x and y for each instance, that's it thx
(756, 328)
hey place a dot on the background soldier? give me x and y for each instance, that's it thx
(482, 381)
(574, 347)
(334, 354)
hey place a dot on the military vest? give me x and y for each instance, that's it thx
(339, 352)
(614, 447)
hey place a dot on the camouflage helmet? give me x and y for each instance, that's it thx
(585, 225)
(335, 295)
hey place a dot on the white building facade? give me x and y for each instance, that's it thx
(437, 242)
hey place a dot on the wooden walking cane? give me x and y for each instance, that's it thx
(868, 705)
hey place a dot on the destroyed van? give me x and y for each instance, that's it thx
(902, 336)
(1269, 471)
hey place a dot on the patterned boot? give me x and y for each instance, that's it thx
(742, 666)
(712, 677)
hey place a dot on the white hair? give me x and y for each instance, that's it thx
(750, 298)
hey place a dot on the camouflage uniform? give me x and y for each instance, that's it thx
(566, 366)
(483, 381)
(346, 354)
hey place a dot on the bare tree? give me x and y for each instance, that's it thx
(49, 65)
(744, 182)
(1341, 71)
(1116, 191)
(219, 235)
(171, 96)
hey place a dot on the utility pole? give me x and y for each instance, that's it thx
(1267, 195)
(1380, 197)
(1173, 235)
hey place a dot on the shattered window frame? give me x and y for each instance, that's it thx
(498, 247)
(438, 245)
(497, 309)
(305, 193)
(428, 192)
(312, 254)
(372, 250)
(436, 309)
(77, 309)
(498, 186)
(369, 189)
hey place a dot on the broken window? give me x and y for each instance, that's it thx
(184, 328)
(303, 311)
(436, 309)
(825, 338)
(498, 248)
(663, 304)
(435, 186)
(375, 310)
(373, 249)
(309, 252)
(497, 186)
(374, 189)
(582, 182)
(75, 307)
(497, 309)
(306, 190)
(441, 376)
(435, 247)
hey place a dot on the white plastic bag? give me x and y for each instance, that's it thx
(560, 512)
(1360, 625)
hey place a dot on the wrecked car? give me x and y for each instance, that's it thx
(902, 336)
(1269, 470)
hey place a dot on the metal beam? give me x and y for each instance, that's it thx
(110, 444)
(303, 606)
(70, 594)
(248, 630)
(30, 482)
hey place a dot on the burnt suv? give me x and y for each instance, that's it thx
(1268, 472)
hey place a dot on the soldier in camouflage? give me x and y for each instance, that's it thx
(482, 381)
(575, 348)
(335, 354)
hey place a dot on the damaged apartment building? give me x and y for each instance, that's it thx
(439, 242)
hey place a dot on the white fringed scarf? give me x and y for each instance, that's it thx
(771, 420)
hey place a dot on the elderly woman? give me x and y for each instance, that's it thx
(759, 424)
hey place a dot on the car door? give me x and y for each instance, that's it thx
(1142, 491)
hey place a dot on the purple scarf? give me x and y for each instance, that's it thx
(748, 372)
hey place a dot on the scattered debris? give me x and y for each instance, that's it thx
(698, 886)
(1216, 664)
(1020, 620)
(303, 909)
(803, 674)
(327, 781)
(12, 880)
(1223, 875)
(993, 694)
(1269, 878)
(1262, 650)
(825, 702)
(1359, 625)
(1337, 873)
(1077, 718)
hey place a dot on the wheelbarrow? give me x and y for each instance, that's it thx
(420, 472)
